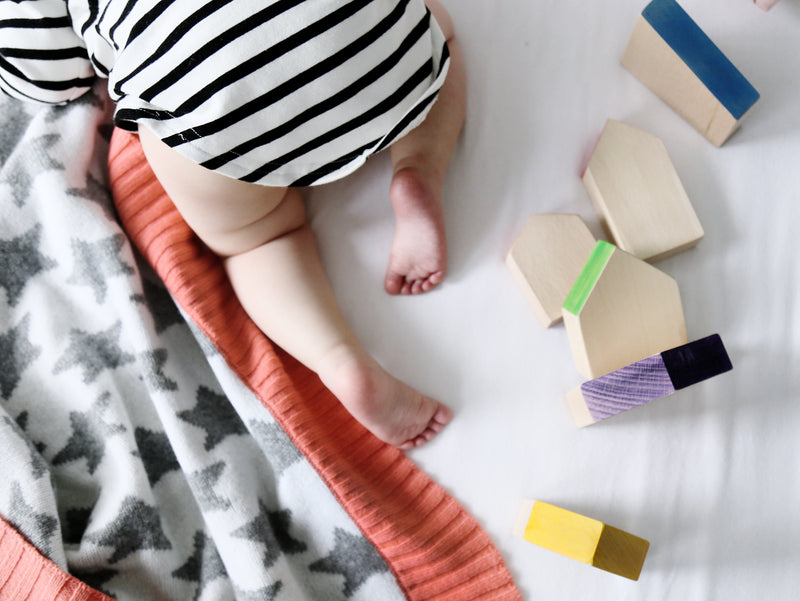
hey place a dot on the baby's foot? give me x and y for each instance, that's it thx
(387, 407)
(419, 252)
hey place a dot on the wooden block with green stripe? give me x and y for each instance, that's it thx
(620, 310)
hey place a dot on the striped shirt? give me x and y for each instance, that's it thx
(276, 92)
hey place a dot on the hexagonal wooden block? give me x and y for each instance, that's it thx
(620, 310)
(546, 258)
(637, 193)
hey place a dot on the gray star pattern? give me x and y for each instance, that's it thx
(38, 464)
(96, 262)
(214, 414)
(204, 565)
(15, 124)
(89, 435)
(154, 362)
(96, 579)
(353, 557)
(268, 593)
(137, 527)
(94, 353)
(97, 192)
(16, 354)
(276, 445)
(203, 482)
(38, 528)
(74, 523)
(32, 158)
(20, 261)
(272, 529)
(156, 454)
(159, 302)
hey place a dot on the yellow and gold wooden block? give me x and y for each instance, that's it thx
(581, 538)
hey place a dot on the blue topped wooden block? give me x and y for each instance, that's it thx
(673, 57)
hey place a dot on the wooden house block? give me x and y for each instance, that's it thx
(652, 378)
(638, 194)
(765, 4)
(673, 57)
(620, 310)
(581, 538)
(546, 258)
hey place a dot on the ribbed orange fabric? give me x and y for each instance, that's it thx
(436, 550)
(26, 575)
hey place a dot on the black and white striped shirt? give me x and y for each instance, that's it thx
(277, 92)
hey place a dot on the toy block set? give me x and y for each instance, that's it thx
(623, 316)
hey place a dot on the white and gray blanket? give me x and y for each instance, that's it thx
(129, 454)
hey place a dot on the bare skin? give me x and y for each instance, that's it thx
(273, 263)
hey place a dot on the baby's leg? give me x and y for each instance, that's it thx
(272, 261)
(419, 252)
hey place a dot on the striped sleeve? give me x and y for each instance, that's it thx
(41, 57)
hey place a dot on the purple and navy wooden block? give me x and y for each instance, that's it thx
(671, 55)
(649, 379)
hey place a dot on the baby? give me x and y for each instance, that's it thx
(238, 104)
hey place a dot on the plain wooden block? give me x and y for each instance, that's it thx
(620, 310)
(673, 57)
(581, 538)
(637, 193)
(546, 258)
(765, 4)
(652, 378)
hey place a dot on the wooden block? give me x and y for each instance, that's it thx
(620, 310)
(673, 57)
(638, 194)
(581, 538)
(765, 4)
(652, 378)
(546, 258)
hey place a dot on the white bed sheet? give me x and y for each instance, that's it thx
(710, 476)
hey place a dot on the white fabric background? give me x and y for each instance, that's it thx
(711, 475)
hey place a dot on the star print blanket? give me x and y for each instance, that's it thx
(153, 444)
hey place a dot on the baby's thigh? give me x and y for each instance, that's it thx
(229, 215)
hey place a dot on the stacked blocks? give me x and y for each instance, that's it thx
(673, 57)
(581, 538)
(546, 258)
(638, 194)
(651, 378)
(621, 309)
